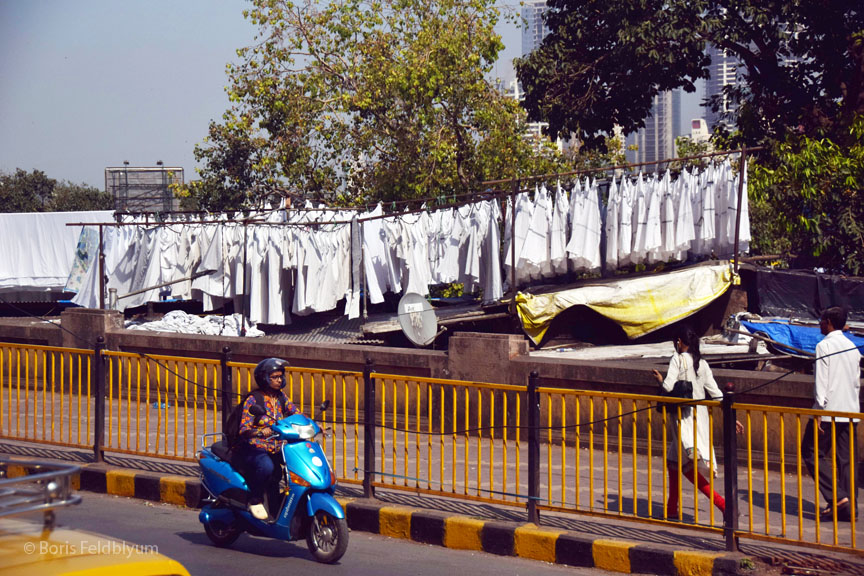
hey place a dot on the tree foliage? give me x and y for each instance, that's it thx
(36, 192)
(25, 191)
(811, 203)
(802, 63)
(69, 197)
(365, 99)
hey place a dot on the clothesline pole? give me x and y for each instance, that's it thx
(243, 296)
(741, 170)
(101, 271)
(364, 284)
(513, 246)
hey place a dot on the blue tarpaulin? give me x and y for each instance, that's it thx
(801, 337)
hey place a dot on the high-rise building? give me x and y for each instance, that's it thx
(656, 141)
(534, 130)
(535, 29)
(723, 72)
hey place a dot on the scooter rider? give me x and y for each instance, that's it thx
(258, 454)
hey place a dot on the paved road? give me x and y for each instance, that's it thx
(177, 533)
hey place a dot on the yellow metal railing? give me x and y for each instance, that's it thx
(45, 394)
(450, 437)
(601, 453)
(779, 482)
(160, 405)
(607, 453)
(307, 389)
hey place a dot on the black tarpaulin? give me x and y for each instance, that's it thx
(794, 293)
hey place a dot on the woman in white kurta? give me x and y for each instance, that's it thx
(687, 364)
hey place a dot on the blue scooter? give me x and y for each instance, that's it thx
(303, 500)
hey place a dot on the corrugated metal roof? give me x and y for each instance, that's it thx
(335, 330)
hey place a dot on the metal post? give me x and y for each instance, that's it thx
(227, 386)
(364, 282)
(98, 385)
(368, 429)
(244, 296)
(741, 170)
(533, 405)
(101, 270)
(513, 246)
(730, 469)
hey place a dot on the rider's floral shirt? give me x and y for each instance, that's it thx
(253, 432)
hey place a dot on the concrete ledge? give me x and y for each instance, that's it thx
(444, 529)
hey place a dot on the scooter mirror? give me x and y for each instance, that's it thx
(257, 410)
(324, 406)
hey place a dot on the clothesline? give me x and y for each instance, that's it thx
(401, 236)
(496, 193)
(584, 171)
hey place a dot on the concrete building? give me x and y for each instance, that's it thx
(656, 141)
(535, 29)
(699, 131)
(723, 70)
(534, 129)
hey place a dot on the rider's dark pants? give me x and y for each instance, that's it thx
(257, 466)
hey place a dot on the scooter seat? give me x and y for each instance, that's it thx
(221, 450)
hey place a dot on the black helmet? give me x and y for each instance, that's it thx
(266, 367)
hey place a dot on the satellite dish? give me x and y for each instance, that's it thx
(417, 319)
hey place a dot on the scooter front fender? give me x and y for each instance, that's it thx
(218, 516)
(323, 501)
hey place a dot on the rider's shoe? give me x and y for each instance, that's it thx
(258, 511)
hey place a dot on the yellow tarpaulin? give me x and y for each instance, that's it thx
(639, 305)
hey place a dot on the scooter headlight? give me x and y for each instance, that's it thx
(305, 431)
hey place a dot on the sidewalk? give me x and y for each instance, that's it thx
(578, 540)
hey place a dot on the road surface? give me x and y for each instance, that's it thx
(177, 533)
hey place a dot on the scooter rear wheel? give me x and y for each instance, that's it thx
(327, 537)
(222, 536)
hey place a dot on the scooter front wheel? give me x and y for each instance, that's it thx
(327, 538)
(222, 536)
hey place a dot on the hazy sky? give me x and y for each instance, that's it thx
(90, 83)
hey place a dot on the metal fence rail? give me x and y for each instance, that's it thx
(779, 482)
(160, 405)
(544, 448)
(308, 389)
(450, 437)
(607, 453)
(46, 394)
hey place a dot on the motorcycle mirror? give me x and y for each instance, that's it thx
(324, 406)
(257, 410)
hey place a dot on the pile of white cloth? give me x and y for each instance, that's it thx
(180, 322)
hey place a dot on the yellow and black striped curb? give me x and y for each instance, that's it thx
(442, 529)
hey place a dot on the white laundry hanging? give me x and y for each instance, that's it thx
(613, 205)
(492, 287)
(585, 230)
(667, 218)
(534, 257)
(653, 226)
(625, 223)
(558, 232)
(523, 210)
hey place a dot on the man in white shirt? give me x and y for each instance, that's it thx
(838, 382)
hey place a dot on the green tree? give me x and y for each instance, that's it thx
(25, 191)
(802, 63)
(810, 202)
(236, 170)
(68, 197)
(364, 100)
